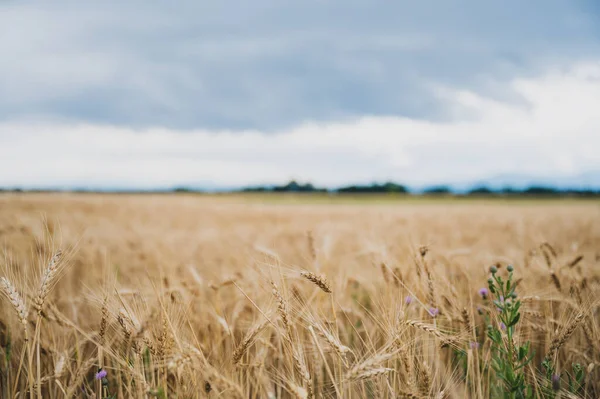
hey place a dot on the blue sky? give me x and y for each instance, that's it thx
(231, 93)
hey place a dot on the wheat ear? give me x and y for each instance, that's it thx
(371, 363)
(48, 279)
(19, 306)
(319, 281)
(561, 338)
(446, 340)
(300, 366)
(283, 311)
(16, 301)
(333, 342)
(296, 390)
(247, 341)
(371, 373)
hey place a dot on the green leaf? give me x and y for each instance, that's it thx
(515, 320)
(510, 374)
(571, 388)
(529, 391)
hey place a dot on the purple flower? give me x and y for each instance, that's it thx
(474, 345)
(556, 382)
(101, 374)
(434, 312)
(484, 292)
(502, 326)
(501, 299)
(479, 310)
(408, 300)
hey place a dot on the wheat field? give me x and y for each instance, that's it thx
(187, 296)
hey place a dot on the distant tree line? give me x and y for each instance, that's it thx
(374, 188)
(291, 187)
(390, 187)
(535, 191)
(295, 187)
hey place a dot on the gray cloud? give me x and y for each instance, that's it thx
(267, 64)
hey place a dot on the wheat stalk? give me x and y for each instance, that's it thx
(560, 339)
(297, 391)
(371, 373)
(424, 379)
(548, 250)
(333, 342)
(300, 366)
(312, 249)
(15, 300)
(397, 277)
(21, 309)
(407, 394)
(575, 261)
(446, 340)
(247, 341)
(163, 338)
(103, 321)
(283, 311)
(319, 281)
(370, 363)
(430, 287)
(384, 272)
(587, 331)
(125, 322)
(556, 281)
(48, 278)
(466, 319)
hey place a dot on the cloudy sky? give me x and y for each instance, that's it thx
(232, 93)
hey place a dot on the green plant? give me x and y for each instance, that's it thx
(575, 380)
(508, 358)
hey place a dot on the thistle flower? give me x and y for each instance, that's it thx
(484, 292)
(408, 300)
(101, 374)
(556, 382)
(434, 312)
(502, 326)
(474, 345)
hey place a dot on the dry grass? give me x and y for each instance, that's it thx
(186, 296)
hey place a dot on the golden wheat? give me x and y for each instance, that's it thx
(190, 312)
(319, 281)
